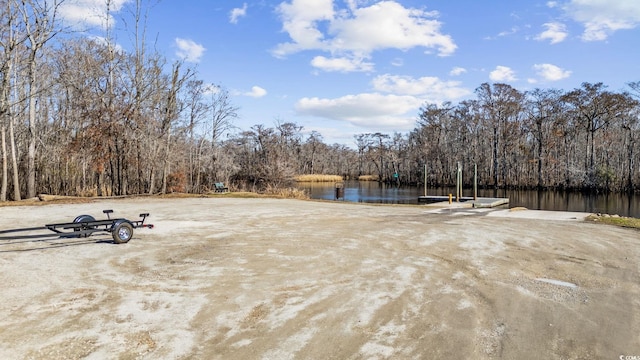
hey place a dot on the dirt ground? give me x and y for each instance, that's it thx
(225, 278)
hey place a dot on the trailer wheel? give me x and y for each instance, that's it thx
(121, 231)
(83, 219)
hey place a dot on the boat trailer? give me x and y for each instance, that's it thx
(83, 226)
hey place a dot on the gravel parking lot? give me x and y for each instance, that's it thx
(229, 278)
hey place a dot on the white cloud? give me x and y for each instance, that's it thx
(555, 32)
(601, 18)
(237, 13)
(502, 73)
(300, 19)
(342, 64)
(397, 62)
(429, 89)
(511, 31)
(457, 71)
(89, 13)
(357, 31)
(189, 50)
(549, 72)
(393, 105)
(256, 92)
(388, 24)
(369, 110)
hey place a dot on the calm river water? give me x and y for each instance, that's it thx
(372, 192)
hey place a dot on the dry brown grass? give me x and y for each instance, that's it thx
(287, 193)
(368, 178)
(43, 199)
(318, 178)
(236, 194)
(284, 193)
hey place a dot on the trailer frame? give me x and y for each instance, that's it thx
(121, 229)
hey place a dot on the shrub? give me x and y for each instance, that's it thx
(177, 182)
(288, 193)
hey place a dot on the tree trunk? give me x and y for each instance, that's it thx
(152, 180)
(495, 157)
(165, 167)
(630, 161)
(540, 145)
(3, 187)
(31, 154)
(99, 183)
(14, 160)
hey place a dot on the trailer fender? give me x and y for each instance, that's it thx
(122, 231)
(83, 219)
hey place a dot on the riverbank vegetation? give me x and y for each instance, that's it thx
(621, 221)
(81, 116)
(368, 178)
(318, 178)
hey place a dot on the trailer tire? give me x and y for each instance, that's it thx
(83, 219)
(122, 231)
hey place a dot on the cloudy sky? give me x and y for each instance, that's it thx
(345, 67)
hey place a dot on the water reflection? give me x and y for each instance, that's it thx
(372, 192)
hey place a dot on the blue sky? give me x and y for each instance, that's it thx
(345, 67)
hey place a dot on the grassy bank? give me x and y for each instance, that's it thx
(616, 221)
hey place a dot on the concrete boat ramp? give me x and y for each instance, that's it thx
(492, 207)
(465, 201)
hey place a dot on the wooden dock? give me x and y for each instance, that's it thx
(477, 203)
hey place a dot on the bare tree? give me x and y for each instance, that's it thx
(501, 104)
(543, 107)
(362, 142)
(435, 129)
(39, 19)
(312, 146)
(196, 110)
(11, 37)
(374, 147)
(223, 113)
(631, 126)
(171, 115)
(595, 108)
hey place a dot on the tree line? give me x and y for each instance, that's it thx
(81, 116)
(583, 139)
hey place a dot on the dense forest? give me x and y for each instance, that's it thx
(80, 116)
